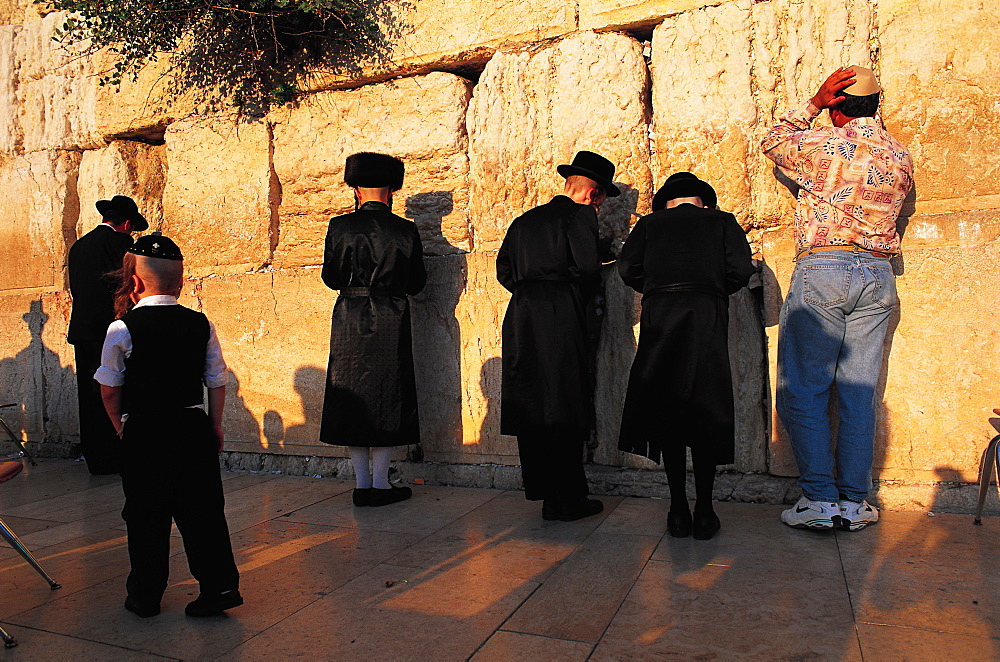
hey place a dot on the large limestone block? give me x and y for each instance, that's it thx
(217, 199)
(10, 122)
(420, 120)
(56, 90)
(456, 345)
(38, 196)
(143, 106)
(944, 361)
(444, 31)
(613, 14)
(534, 108)
(938, 47)
(703, 104)
(796, 46)
(124, 167)
(447, 35)
(274, 329)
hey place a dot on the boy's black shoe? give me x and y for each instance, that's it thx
(142, 609)
(362, 496)
(394, 494)
(214, 604)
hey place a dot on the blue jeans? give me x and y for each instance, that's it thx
(832, 331)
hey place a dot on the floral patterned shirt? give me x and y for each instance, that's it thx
(852, 180)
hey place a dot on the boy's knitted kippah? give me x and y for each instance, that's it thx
(156, 245)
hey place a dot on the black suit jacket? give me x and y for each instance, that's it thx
(91, 258)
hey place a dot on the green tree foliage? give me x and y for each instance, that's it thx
(253, 54)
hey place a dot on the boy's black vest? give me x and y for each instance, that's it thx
(167, 364)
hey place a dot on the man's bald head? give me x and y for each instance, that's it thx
(159, 275)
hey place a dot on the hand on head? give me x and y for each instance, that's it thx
(829, 94)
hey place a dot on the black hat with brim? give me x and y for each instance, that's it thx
(592, 166)
(122, 208)
(156, 245)
(371, 170)
(684, 185)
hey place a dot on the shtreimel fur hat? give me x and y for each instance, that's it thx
(371, 170)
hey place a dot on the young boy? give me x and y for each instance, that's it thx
(154, 362)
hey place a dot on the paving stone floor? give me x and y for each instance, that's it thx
(458, 574)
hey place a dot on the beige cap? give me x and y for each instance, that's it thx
(864, 82)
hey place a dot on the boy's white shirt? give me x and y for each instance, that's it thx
(118, 347)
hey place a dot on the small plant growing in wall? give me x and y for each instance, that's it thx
(251, 54)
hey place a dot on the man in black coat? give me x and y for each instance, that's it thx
(375, 259)
(686, 258)
(91, 259)
(549, 262)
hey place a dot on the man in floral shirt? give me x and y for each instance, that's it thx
(853, 178)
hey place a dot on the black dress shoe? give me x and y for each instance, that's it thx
(679, 524)
(706, 525)
(213, 604)
(394, 494)
(550, 510)
(362, 496)
(142, 609)
(572, 510)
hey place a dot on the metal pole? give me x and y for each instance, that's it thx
(23, 551)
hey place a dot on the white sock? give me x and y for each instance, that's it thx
(362, 473)
(380, 466)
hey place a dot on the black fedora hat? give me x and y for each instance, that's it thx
(684, 185)
(372, 170)
(593, 166)
(122, 208)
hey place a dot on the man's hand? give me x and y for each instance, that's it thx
(829, 92)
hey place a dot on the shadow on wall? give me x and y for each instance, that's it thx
(310, 384)
(43, 389)
(489, 383)
(239, 421)
(437, 339)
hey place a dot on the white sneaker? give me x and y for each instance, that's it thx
(806, 514)
(855, 516)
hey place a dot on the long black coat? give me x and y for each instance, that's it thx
(91, 258)
(375, 259)
(685, 261)
(549, 262)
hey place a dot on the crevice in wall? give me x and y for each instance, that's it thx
(274, 195)
(470, 71)
(152, 135)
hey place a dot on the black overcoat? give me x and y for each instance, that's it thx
(91, 258)
(549, 262)
(375, 259)
(685, 261)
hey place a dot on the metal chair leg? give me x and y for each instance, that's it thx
(987, 464)
(8, 641)
(18, 442)
(23, 551)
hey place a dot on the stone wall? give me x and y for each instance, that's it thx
(482, 100)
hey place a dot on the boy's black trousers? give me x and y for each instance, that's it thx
(170, 470)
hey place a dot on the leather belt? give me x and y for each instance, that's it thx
(362, 292)
(851, 249)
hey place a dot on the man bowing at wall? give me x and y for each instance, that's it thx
(549, 262)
